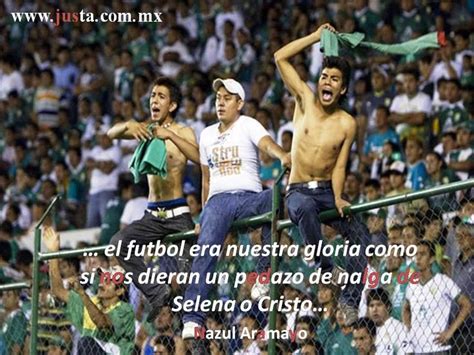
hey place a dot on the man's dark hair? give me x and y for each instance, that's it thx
(366, 323)
(7, 228)
(439, 157)
(455, 82)
(345, 68)
(173, 88)
(395, 227)
(384, 108)
(441, 81)
(379, 294)
(412, 71)
(429, 244)
(49, 72)
(373, 183)
(463, 33)
(167, 342)
(75, 150)
(417, 227)
(24, 257)
(75, 262)
(450, 134)
(311, 321)
(5, 250)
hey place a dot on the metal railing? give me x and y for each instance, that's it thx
(256, 221)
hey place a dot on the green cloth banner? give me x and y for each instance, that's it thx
(331, 41)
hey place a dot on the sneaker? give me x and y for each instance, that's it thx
(351, 314)
(259, 290)
(188, 330)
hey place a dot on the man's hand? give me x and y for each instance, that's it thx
(51, 239)
(76, 286)
(325, 26)
(197, 229)
(286, 160)
(340, 204)
(443, 337)
(162, 133)
(139, 130)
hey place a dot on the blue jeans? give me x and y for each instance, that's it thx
(304, 206)
(97, 206)
(217, 217)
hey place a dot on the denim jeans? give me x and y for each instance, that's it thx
(147, 230)
(304, 206)
(217, 217)
(97, 206)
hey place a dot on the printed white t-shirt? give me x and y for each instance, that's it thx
(430, 304)
(392, 338)
(232, 156)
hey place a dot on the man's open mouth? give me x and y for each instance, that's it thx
(327, 95)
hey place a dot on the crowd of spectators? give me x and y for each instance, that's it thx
(62, 87)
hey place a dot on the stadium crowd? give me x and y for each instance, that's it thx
(62, 88)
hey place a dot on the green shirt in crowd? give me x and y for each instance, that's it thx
(13, 332)
(120, 337)
(111, 222)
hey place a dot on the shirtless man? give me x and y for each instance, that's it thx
(167, 211)
(323, 134)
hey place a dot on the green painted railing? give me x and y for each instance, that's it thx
(270, 217)
(35, 283)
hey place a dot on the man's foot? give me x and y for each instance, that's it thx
(351, 314)
(188, 330)
(259, 290)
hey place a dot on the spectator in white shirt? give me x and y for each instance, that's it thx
(135, 207)
(103, 161)
(228, 13)
(208, 56)
(392, 336)
(10, 78)
(187, 19)
(410, 110)
(427, 307)
(174, 54)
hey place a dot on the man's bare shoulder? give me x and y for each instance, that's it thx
(346, 118)
(185, 132)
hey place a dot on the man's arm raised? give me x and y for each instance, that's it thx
(51, 240)
(130, 130)
(289, 75)
(186, 141)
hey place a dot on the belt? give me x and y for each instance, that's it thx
(311, 185)
(174, 212)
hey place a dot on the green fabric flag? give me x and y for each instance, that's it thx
(330, 42)
(149, 158)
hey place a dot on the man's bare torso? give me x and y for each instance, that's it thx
(317, 141)
(170, 187)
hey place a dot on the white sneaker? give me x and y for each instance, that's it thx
(259, 290)
(188, 330)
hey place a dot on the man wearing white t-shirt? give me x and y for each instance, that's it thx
(392, 335)
(231, 187)
(410, 110)
(427, 307)
(105, 159)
